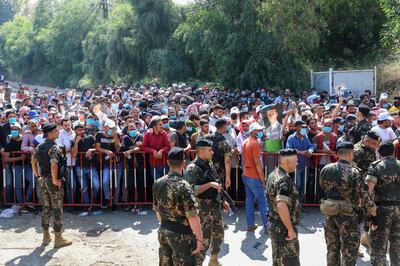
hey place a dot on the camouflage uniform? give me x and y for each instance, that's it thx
(52, 197)
(342, 182)
(358, 132)
(385, 174)
(281, 187)
(173, 198)
(209, 208)
(221, 149)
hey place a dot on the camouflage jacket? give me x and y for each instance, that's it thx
(359, 130)
(342, 181)
(385, 174)
(174, 199)
(195, 174)
(363, 157)
(281, 187)
(221, 149)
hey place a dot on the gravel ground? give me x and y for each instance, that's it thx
(124, 238)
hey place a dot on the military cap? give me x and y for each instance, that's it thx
(373, 135)
(386, 148)
(345, 145)
(287, 152)
(204, 143)
(48, 127)
(177, 154)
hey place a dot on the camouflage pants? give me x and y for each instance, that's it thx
(176, 249)
(212, 227)
(388, 230)
(284, 253)
(52, 202)
(342, 236)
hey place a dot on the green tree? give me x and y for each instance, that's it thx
(391, 31)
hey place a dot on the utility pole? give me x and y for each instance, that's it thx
(104, 5)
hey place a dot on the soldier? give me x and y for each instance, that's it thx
(48, 163)
(364, 156)
(344, 191)
(384, 180)
(284, 210)
(362, 126)
(222, 152)
(206, 190)
(180, 233)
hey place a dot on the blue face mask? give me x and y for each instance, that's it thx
(189, 129)
(12, 120)
(182, 118)
(385, 105)
(173, 117)
(229, 128)
(90, 121)
(165, 126)
(263, 94)
(260, 134)
(133, 133)
(245, 109)
(96, 123)
(327, 129)
(304, 131)
(109, 132)
(247, 133)
(37, 119)
(341, 127)
(14, 133)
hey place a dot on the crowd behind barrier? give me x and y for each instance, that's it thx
(134, 182)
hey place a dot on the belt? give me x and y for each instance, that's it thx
(176, 227)
(388, 203)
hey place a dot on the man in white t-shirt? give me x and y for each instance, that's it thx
(383, 129)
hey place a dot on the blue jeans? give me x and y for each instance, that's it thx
(18, 183)
(255, 192)
(159, 171)
(106, 181)
(300, 181)
(84, 179)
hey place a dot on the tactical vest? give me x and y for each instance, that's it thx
(218, 157)
(44, 158)
(207, 170)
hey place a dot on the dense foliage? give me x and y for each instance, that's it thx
(237, 43)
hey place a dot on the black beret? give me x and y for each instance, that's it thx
(386, 148)
(364, 109)
(48, 127)
(373, 135)
(220, 123)
(287, 152)
(177, 154)
(204, 143)
(299, 122)
(345, 145)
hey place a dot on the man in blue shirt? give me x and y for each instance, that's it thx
(300, 142)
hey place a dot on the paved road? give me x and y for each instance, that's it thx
(122, 238)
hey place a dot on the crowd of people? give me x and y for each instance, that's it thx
(117, 137)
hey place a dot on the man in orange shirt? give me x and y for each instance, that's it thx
(253, 177)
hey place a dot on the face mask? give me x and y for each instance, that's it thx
(12, 120)
(96, 123)
(133, 133)
(109, 132)
(37, 119)
(260, 134)
(303, 131)
(247, 133)
(90, 121)
(263, 94)
(14, 133)
(245, 109)
(229, 128)
(374, 123)
(173, 117)
(385, 105)
(341, 127)
(327, 129)
(165, 126)
(189, 129)
(115, 106)
(182, 118)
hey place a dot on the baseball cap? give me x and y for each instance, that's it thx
(255, 126)
(384, 116)
(109, 123)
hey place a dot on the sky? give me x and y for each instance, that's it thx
(182, 1)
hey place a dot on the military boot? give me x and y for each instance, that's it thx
(46, 237)
(214, 261)
(365, 240)
(60, 242)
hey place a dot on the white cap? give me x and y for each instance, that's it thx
(235, 110)
(109, 123)
(384, 96)
(77, 123)
(255, 126)
(16, 124)
(384, 116)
